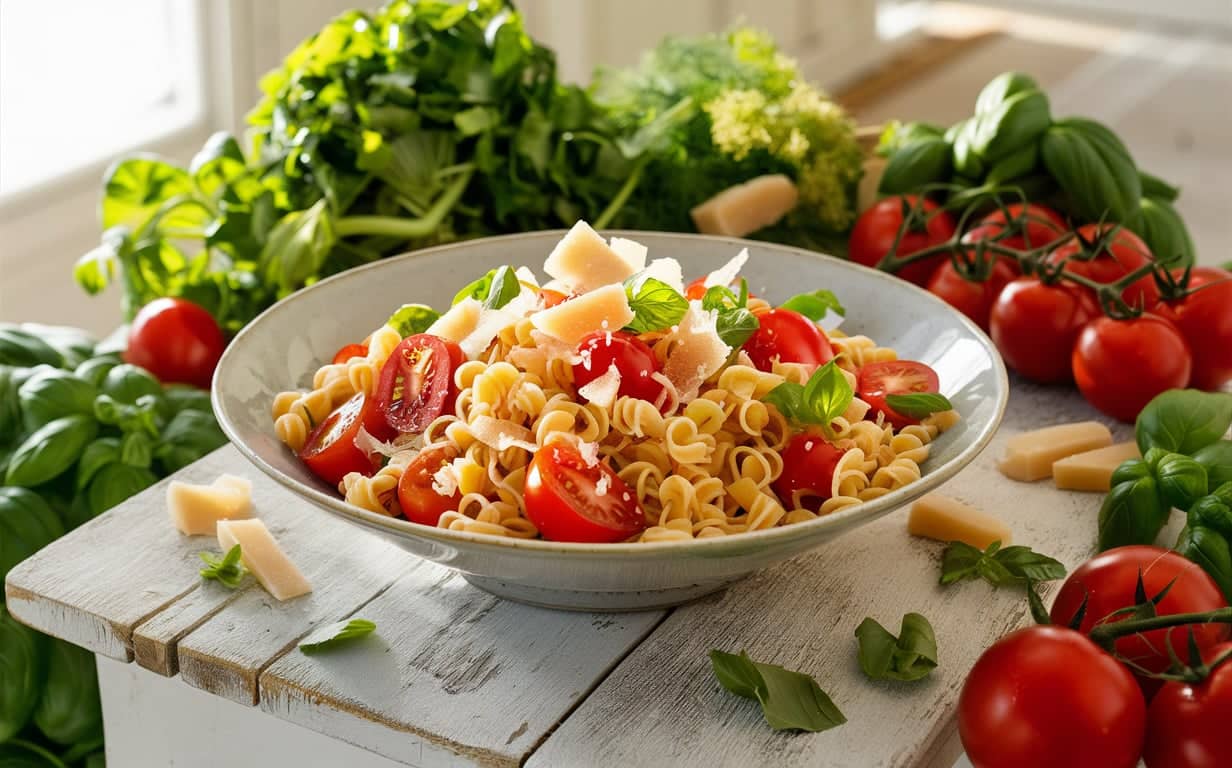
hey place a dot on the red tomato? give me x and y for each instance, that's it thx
(632, 358)
(419, 502)
(1125, 253)
(551, 298)
(874, 233)
(696, 290)
(350, 351)
(1037, 225)
(331, 451)
(417, 382)
(894, 377)
(789, 337)
(570, 501)
(1108, 583)
(177, 341)
(1048, 696)
(808, 465)
(1035, 326)
(1120, 365)
(972, 299)
(1205, 320)
(1187, 723)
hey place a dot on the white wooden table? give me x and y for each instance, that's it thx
(455, 676)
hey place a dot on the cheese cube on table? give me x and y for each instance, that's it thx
(196, 509)
(746, 208)
(262, 555)
(1030, 456)
(939, 517)
(1092, 470)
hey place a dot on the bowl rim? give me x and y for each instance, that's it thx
(709, 547)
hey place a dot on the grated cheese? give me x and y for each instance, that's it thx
(602, 391)
(490, 431)
(602, 485)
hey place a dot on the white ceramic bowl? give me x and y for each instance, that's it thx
(285, 345)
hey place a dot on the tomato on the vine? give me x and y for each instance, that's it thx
(1121, 365)
(1035, 326)
(570, 500)
(416, 382)
(1187, 723)
(177, 341)
(973, 299)
(417, 496)
(877, 381)
(1108, 581)
(788, 337)
(808, 465)
(1038, 225)
(874, 233)
(1117, 256)
(1048, 696)
(1204, 318)
(331, 452)
(634, 361)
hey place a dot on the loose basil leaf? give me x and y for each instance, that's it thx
(411, 319)
(23, 665)
(69, 712)
(910, 656)
(27, 524)
(918, 405)
(505, 288)
(126, 383)
(822, 400)
(477, 289)
(1181, 480)
(50, 451)
(999, 567)
(1132, 513)
(736, 326)
(115, 483)
(1184, 420)
(186, 438)
(1216, 459)
(328, 638)
(789, 700)
(815, 305)
(655, 304)
(227, 570)
(1209, 550)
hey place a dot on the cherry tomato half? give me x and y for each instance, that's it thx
(1048, 696)
(1035, 326)
(570, 501)
(420, 503)
(177, 341)
(1120, 365)
(973, 299)
(1204, 318)
(634, 361)
(551, 298)
(788, 337)
(331, 452)
(1187, 723)
(873, 236)
(1108, 582)
(894, 377)
(696, 290)
(417, 382)
(350, 351)
(1124, 253)
(808, 465)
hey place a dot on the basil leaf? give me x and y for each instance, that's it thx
(297, 247)
(1212, 512)
(52, 393)
(115, 483)
(720, 297)
(27, 524)
(1184, 420)
(1027, 565)
(999, 567)
(98, 454)
(23, 663)
(126, 383)
(69, 712)
(815, 305)
(411, 319)
(736, 326)
(910, 656)
(1001, 88)
(23, 349)
(961, 560)
(1216, 458)
(136, 449)
(1157, 188)
(789, 700)
(1094, 168)
(505, 288)
(917, 405)
(827, 394)
(477, 289)
(788, 398)
(335, 635)
(1165, 233)
(227, 570)
(50, 451)
(1209, 550)
(1181, 480)
(915, 165)
(187, 437)
(1131, 513)
(655, 304)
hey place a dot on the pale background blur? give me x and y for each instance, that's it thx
(82, 82)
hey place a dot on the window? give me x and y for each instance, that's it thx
(83, 81)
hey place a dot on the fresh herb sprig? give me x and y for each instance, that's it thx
(336, 635)
(789, 700)
(822, 400)
(734, 323)
(1000, 567)
(912, 655)
(227, 570)
(655, 304)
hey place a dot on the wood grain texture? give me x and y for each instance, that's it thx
(803, 614)
(452, 673)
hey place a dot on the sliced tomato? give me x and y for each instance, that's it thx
(788, 337)
(350, 351)
(568, 500)
(634, 361)
(417, 382)
(808, 465)
(421, 503)
(876, 381)
(331, 452)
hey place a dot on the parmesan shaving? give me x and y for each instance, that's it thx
(490, 431)
(602, 390)
(369, 445)
(633, 252)
(668, 272)
(697, 351)
(445, 481)
(589, 452)
(727, 274)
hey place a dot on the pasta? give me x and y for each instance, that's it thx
(690, 460)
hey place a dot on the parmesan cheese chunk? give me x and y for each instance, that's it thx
(196, 509)
(459, 322)
(667, 271)
(939, 517)
(582, 261)
(699, 354)
(633, 252)
(1092, 470)
(262, 555)
(602, 390)
(727, 273)
(492, 432)
(605, 308)
(1030, 456)
(748, 207)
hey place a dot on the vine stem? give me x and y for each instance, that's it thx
(403, 228)
(1105, 635)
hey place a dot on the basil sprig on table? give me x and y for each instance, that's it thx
(789, 700)
(822, 400)
(227, 570)
(1000, 567)
(655, 304)
(911, 655)
(336, 635)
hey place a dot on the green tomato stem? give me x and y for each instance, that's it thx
(1105, 635)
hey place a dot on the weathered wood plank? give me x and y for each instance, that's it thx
(452, 674)
(803, 615)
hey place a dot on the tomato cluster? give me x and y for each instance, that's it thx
(1050, 695)
(1050, 324)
